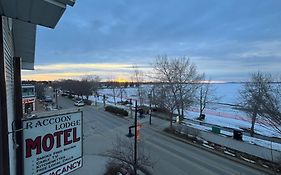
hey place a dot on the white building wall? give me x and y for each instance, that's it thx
(9, 76)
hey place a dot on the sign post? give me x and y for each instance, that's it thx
(52, 145)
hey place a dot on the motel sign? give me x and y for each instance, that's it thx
(53, 144)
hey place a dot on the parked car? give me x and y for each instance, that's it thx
(79, 103)
(64, 94)
(48, 99)
(50, 108)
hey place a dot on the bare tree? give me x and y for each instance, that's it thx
(206, 97)
(95, 83)
(86, 86)
(254, 95)
(72, 86)
(138, 79)
(40, 90)
(181, 77)
(271, 106)
(122, 91)
(186, 79)
(164, 98)
(123, 152)
(114, 87)
(89, 85)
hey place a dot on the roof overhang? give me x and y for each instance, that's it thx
(68, 2)
(42, 12)
(24, 35)
(26, 14)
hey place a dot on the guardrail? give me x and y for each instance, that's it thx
(251, 149)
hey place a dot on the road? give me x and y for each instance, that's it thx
(169, 155)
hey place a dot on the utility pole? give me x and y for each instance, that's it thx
(150, 111)
(104, 101)
(136, 120)
(57, 104)
(131, 113)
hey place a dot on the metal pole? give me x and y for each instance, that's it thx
(131, 113)
(57, 104)
(103, 100)
(136, 120)
(150, 111)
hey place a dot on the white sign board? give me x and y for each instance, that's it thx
(52, 145)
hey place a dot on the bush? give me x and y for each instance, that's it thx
(125, 102)
(170, 130)
(113, 167)
(143, 109)
(116, 110)
(87, 102)
(70, 96)
(158, 109)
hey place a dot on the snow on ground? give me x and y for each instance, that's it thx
(218, 114)
(256, 141)
(252, 140)
(233, 123)
(227, 92)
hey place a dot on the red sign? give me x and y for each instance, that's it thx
(138, 131)
(29, 100)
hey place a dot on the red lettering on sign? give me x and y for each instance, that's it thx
(49, 137)
(57, 135)
(75, 138)
(66, 135)
(30, 145)
(52, 139)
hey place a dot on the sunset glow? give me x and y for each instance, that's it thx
(110, 71)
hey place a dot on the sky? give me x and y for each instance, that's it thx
(227, 40)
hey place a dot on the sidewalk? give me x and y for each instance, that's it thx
(156, 123)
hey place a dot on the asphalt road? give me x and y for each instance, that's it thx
(170, 156)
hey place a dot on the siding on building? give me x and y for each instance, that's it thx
(9, 76)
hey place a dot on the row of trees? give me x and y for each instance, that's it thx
(84, 87)
(178, 85)
(118, 90)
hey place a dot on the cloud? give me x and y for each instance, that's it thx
(237, 35)
(68, 66)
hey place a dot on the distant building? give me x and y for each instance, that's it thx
(28, 98)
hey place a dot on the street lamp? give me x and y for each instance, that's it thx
(150, 111)
(131, 135)
(103, 100)
(136, 122)
(131, 113)
(57, 103)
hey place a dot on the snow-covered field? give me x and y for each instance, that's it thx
(219, 114)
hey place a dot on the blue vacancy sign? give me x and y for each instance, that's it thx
(52, 145)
